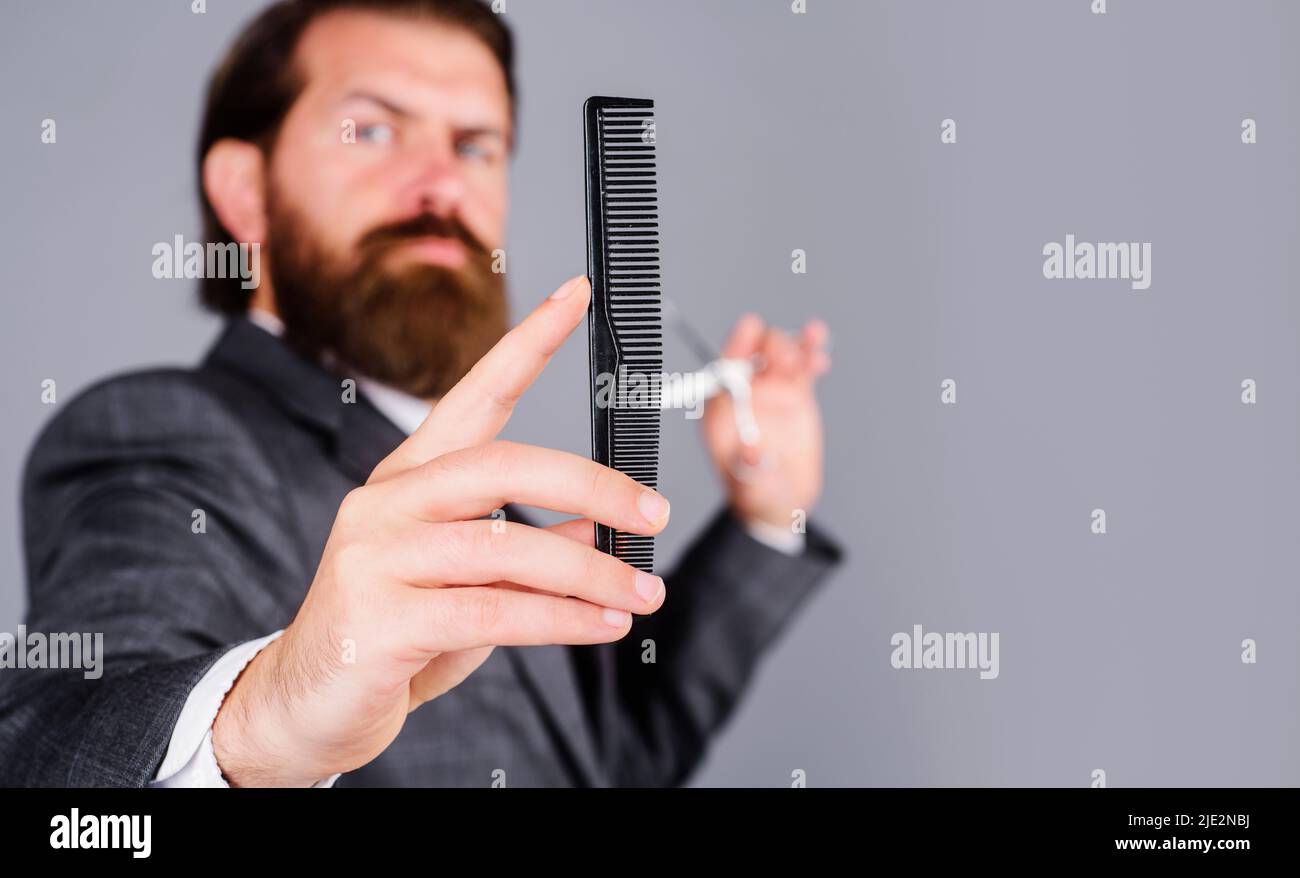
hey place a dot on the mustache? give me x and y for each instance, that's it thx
(422, 226)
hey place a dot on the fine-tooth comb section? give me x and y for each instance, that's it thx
(624, 323)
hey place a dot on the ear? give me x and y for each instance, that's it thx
(234, 181)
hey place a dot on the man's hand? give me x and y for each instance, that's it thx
(783, 473)
(414, 589)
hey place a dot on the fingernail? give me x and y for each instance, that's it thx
(617, 618)
(652, 506)
(648, 585)
(568, 287)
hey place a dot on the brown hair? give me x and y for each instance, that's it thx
(255, 84)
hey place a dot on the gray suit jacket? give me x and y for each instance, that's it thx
(261, 441)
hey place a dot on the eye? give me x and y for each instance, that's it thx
(377, 132)
(475, 151)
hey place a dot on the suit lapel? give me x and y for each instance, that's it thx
(361, 438)
(365, 437)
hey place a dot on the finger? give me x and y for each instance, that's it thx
(474, 481)
(781, 354)
(815, 345)
(815, 337)
(444, 673)
(745, 338)
(446, 619)
(580, 530)
(469, 553)
(480, 404)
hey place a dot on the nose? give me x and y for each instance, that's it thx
(438, 186)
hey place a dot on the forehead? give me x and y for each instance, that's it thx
(431, 63)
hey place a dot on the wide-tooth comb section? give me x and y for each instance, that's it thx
(624, 325)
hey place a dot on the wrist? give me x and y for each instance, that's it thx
(250, 736)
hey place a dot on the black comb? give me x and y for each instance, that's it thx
(624, 326)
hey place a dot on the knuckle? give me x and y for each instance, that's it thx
(489, 609)
(499, 456)
(355, 581)
(449, 548)
(560, 617)
(351, 561)
(592, 571)
(353, 505)
(503, 399)
(446, 464)
(481, 537)
(592, 565)
(473, 460)
(461, 545)
(596, 484)
(442, 614)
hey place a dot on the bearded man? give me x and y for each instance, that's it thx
(348, 570)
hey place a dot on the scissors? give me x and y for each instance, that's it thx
(720, 375)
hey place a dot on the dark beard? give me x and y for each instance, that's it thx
(418, 328)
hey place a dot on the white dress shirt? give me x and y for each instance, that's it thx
(190, 759)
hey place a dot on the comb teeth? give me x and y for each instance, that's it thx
(625, 326)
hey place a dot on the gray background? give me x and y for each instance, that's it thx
(821, 131)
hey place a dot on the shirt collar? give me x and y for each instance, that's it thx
(405, 411)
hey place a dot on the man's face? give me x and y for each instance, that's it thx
(379, 244)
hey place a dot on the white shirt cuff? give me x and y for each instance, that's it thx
(784, 539)
(190, 759)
